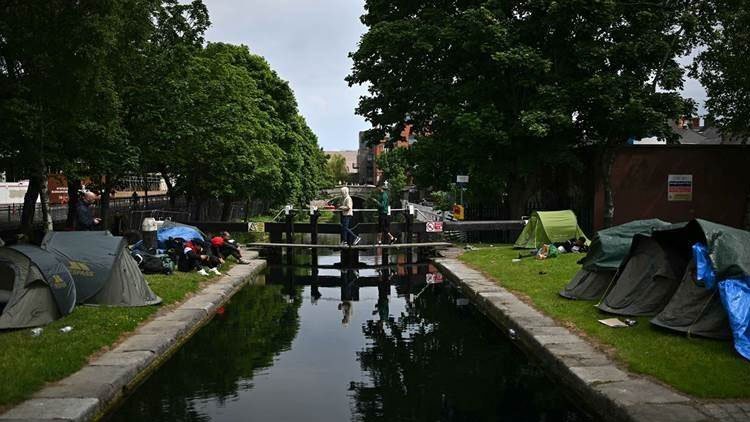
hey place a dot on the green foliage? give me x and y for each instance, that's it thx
(101, 89)
(722, 66)
(336, 168)
(507, 92)
(705, 368)
(395, 167)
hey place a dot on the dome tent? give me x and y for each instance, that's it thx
(608, 249)
(35, 287)
(546, 227)
(102, 268)
(647, 279)
(695, 310)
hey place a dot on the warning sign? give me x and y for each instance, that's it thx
(434, 227)
(680, 187)
(433, 278)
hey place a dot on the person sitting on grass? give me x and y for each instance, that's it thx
(224, 246)
(195, 257)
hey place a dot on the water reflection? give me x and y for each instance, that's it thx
(219, 361)
(381, 342)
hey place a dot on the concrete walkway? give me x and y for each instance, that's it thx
(606, 391)
(90, 392)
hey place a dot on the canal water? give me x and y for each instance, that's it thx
(389, 342)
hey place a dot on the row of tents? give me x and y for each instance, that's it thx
(39, 284)
(692, 277)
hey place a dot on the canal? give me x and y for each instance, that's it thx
(392, 342)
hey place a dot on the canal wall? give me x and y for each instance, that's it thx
(604, 390)
(92, 391)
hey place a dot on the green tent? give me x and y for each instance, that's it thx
(608, 249)
(546, 227)
(102, 268)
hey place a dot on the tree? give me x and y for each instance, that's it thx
(56, 91)
(336, 168)
(508, 91)
(395, 168)
(157, 97)
(483, 98)
(723, 63)
(625, 80)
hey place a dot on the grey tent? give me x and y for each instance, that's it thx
(102, 268)
(694, 309)
(608, 249)
(35, 287)
(647, 279)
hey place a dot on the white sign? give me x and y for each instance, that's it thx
(680, 187)
(434, 227)
(433, 278)
(462, 179)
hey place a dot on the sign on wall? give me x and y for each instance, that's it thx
(680, 187)
(434, 227)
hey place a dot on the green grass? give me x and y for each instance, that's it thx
(27, 363)
(700, 367)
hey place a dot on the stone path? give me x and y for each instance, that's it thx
(88, 393)
(606, 391)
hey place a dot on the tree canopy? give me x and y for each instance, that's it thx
(510, 91)
(104, 89)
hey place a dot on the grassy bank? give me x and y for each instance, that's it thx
(27, 363)
(701, 367)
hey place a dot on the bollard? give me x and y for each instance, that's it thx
(148, 233)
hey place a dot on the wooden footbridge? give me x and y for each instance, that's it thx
(414, 235)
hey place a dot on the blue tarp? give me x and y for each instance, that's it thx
(184, 232)
(735, 296)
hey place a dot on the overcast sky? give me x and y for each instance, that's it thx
(307, 42)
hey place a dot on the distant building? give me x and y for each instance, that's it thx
(349, 156)
(367, 155)
(692, 132)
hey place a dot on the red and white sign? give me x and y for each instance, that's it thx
(433, 278)
(434, 227)
(680, 187)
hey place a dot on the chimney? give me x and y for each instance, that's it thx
(696, 123)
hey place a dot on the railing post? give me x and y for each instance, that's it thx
(289, 212)
(314, 215)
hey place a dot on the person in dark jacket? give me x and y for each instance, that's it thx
(194, 257)
(384, 220)
(85, 219)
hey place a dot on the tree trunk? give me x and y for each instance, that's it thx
(247, 210)
(518, 197)
(170, 189)
(104, 203)
(44, 197)
(226, 209)
(747, 211)
(198, 211)
(29, 204)
(73, 186)
(608, 161)
(145, 191)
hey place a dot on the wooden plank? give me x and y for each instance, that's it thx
(339, 247)
(334, 228)
(495, 225)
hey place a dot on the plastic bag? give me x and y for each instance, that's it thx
(704, 270)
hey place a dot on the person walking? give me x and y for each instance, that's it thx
(347, 212)
(384, 220)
